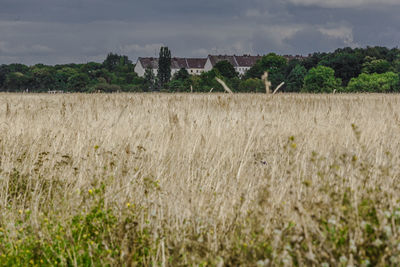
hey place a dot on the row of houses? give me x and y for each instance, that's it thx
(196, 66)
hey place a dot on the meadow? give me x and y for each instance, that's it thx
(199, 180)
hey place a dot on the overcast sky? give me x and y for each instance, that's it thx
(65, 31)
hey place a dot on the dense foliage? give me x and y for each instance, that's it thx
(164, 66)
(370, 69)
(321, 79)
(382, 83)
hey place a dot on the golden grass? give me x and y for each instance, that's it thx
(183, 179)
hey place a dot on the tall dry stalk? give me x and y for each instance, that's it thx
(8, 109)
(191, 179)
(278, 87)
(226, 88)
(267, 83)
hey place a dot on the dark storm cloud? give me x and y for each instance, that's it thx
(62, 31)
(312, 38)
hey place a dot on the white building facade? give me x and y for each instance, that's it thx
(241, 63)
(146, 62)
(196, 66)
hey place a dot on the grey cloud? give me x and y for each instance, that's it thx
(22, 49)
(313, 40)
(344, 3)
(64, 31)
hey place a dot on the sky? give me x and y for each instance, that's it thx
(79, 31)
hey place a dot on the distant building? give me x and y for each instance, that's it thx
(240, 63)
(194, 66)
(146, 62)
(296, 57)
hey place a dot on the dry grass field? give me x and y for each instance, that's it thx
(199, 180)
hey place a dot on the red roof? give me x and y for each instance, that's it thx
(246, 61)
(199, 63)
(176, 63)
(149, 62)
(236, 61)
(215, 59)
(196, 63)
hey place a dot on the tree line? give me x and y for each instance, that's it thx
(370, 69)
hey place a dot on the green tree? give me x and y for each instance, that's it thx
(17, 81)
(208, 82)
(90, 68)
(196, 82)
(313, 60)
(345, 63)
(395, 65)
(295, 79)
(252, 85)
(78, 82)
(378, 83)
(180, 81)
(372, 65)
(115, 61)
(149, 80)
(274, 64)
(164, 67)
(181, 75)
(103, 73)
(13, 68)
(43, 77)
(17, 68)
(321, 80)
(130, 77)
(62, 76)
(226, 69)
(3, 74)
(177, 86)
(377, 52)
(233, 83)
